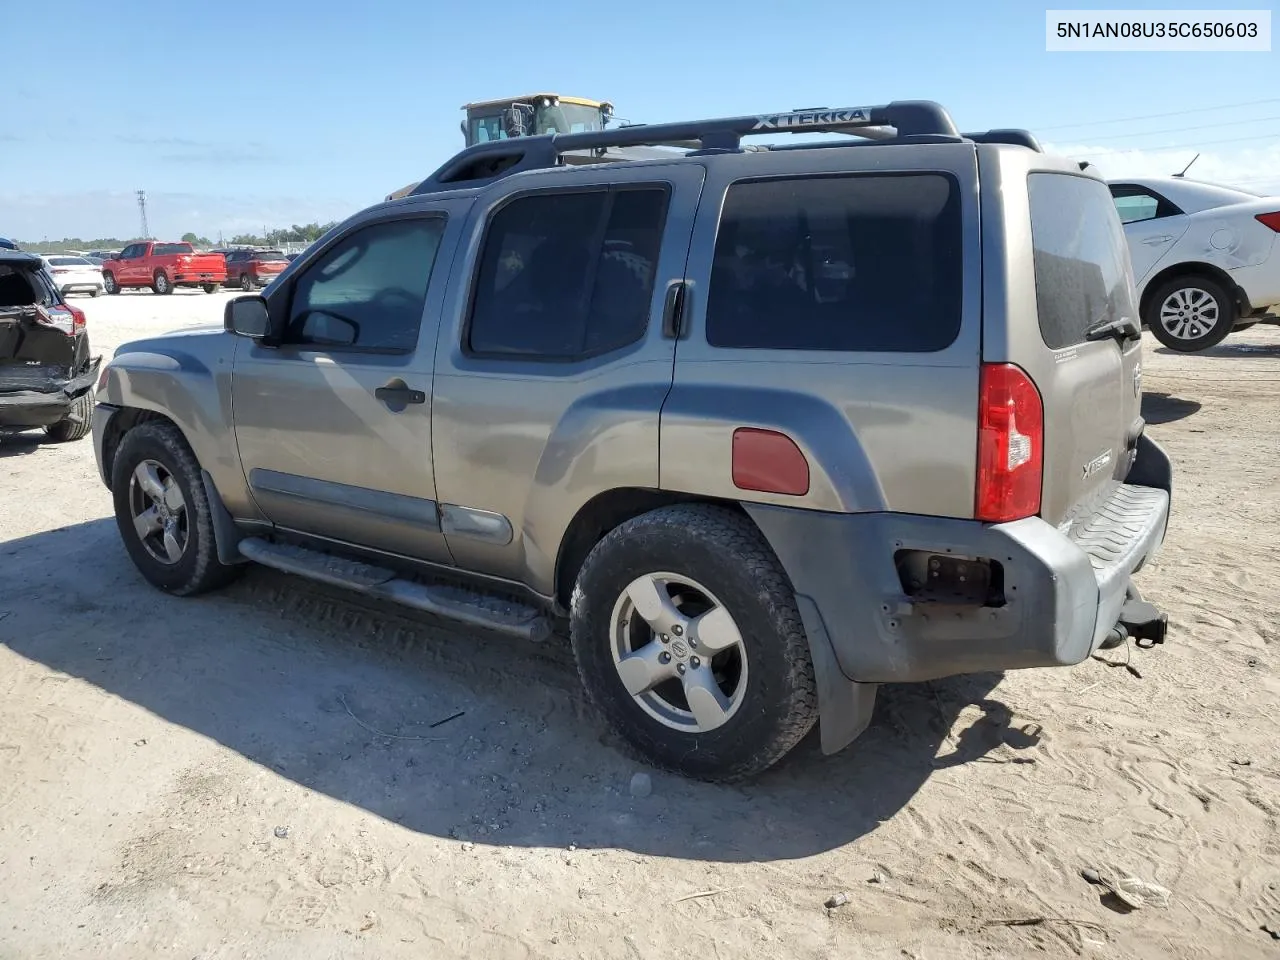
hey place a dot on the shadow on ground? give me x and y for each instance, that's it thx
(1230, 348)
(341, 697)
(21, 444)
(1165, 408)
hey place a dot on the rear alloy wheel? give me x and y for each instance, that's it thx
(246, 282)
(687, 638)
(160, 283)
(1189, 314)
(109, 284)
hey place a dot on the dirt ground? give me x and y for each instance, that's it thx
(255, 773)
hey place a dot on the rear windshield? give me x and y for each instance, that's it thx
(269, 255)
(68, 262)
(1083, 275)
(168, 249)
(850, 263)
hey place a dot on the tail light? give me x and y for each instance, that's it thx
(62, 317)
(1010, 445)
(1271, 220)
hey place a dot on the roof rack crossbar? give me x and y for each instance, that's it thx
(900, 118)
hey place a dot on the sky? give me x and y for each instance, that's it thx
(236, 117)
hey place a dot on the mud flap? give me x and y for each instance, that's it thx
(844, 707)
(226, 536)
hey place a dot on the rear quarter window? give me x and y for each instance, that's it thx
(169, 249)
(1082, 269)
(866, 262)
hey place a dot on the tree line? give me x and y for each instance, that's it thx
(298, 233)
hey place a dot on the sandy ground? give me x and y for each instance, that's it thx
(254, 774)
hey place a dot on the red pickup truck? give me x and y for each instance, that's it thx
(163, 266)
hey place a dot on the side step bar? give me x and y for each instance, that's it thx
(454, 603)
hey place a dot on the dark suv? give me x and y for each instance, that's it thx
(766, 427)
(46, 372)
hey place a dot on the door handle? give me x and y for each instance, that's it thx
(1161, 239)
(397, 394)
(673, 309)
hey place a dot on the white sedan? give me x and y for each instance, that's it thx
(1206, 258)
(74, 274)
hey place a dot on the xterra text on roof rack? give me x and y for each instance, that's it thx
(768, 426)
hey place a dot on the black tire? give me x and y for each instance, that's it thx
(198, 569)
(109, 283)
(209, 287)
(246, 282)
(161, 283)
(94, 292)
(76, 424)
(726, 552)
(1192, 291)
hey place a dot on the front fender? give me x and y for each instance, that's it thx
(186, 379)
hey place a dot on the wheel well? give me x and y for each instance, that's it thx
(603, 513)
(125, 420)
(1194, 270)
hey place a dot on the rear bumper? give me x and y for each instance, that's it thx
(1063, 590)
(40, 408)
(198, 278)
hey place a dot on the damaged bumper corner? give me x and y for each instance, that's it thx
(45, 401)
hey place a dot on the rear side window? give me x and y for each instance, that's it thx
(855, 263)
(169, 249)
(1083, 276)
(566, 276)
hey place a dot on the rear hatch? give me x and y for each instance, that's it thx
(1083, 351)
(269, 262)
(39, 348)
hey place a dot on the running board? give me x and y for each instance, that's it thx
(454, 603)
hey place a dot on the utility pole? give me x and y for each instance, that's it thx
(142, 211)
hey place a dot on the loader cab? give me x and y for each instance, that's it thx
(534, 115)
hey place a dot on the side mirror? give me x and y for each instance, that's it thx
(247, 317)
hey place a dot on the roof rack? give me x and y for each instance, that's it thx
(484, 163)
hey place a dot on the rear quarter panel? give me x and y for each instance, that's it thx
(880, 430)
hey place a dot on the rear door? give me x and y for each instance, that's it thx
(1073, 274)
(1152, 225)
(551, 376)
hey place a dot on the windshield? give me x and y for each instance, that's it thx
(567, 118)
(562, 118)
(168, 249)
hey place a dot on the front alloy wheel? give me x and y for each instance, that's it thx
(159, 512)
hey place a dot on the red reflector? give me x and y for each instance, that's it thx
(768, 461)
(1271, 220)
(1010, 445)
